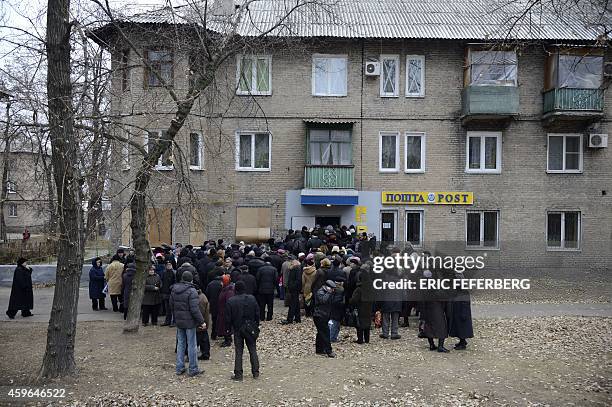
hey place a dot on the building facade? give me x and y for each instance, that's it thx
(457, 144)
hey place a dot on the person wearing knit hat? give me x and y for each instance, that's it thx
(22, 294)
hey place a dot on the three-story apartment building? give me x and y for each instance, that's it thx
(422, 123)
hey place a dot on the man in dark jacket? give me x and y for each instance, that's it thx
(254, 264)
(324, 300)
(22, 295)
(249, 280)
(186, 266)
(266, 280)
(294, 285)
(212, 293)
(168, 279)
(238, 309)
(184, 304)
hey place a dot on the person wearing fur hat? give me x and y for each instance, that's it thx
(22, 295)
(226, 293)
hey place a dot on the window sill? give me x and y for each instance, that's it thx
(564, 171)
(414, 171)
(482, 248)
(329, 96)
(194, 168)
(491, 172)
(562, 249)
(253, 93)
(12, 216)
(241, 169)
(389, 96)
(163, 168)
(415, 96)
(388, 170)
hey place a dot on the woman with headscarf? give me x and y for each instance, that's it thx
(96, 285)
(226, 293)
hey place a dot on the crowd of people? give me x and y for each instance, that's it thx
(221, 290)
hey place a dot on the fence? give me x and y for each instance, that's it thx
(34, 251)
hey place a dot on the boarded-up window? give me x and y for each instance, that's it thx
(159, 226)
(197, 231)
(253, 224)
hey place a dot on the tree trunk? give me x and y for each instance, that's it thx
(59, 354)
(5, 169)
(138, 210)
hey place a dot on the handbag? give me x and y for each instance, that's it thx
(351, 317)
(105, 289)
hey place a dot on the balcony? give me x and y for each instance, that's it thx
(329, 177)
(486, 104)
(576, 105)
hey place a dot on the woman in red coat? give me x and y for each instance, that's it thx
(226, 293)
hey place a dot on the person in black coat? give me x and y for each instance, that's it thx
(266, 280)
(128, 277)
(238, 309)
(391, 306)
(294, 286)
(324, 304)
(96, 285)
(460, 325)
(22, 295)
(254, 264)
(168, 280)
(249, 280)
(212, 293)
(434, 313)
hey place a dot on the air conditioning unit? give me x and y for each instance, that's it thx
(372, 68)
(598, 140)
(608, 70)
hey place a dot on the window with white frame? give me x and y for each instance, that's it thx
(493, 68)
(389, 76)
(166, 161)
(329, 147)
(414, 227)
(564, 153)
(389, 151)
(11, 185)
(12, 210)
(254, 75)
(329, 75)
(195, 151)
(563, 230)
(253, 151)
(414, 152)
(415, 76)
(125, 154)
(482, 229)
(483, 152)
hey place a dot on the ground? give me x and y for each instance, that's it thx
(548, 360)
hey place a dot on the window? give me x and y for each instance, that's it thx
(583, 72)
(415, 152)
(329, 75)
(12, 210)
(389, 78)
(483, 152)
(564, 153)
(160, 64)
(493, 68)
(415, 76)
(125, 70)
(563, 230)
(329, 147)
(389, 152)
(11, 186)
(166, 161)
(414, 227)
(253, 152)
(125, 155)
(195, 151)
(254, 75)
(482, 229)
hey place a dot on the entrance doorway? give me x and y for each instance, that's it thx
(388, 227)
(324, 221)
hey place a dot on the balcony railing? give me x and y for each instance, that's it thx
(490, 101)
(573, 99)
(327, 176)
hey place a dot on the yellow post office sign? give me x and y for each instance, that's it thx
(427, 198)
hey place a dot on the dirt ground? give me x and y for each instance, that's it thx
(535, 362)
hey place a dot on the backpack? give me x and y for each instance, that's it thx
(249, 329)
